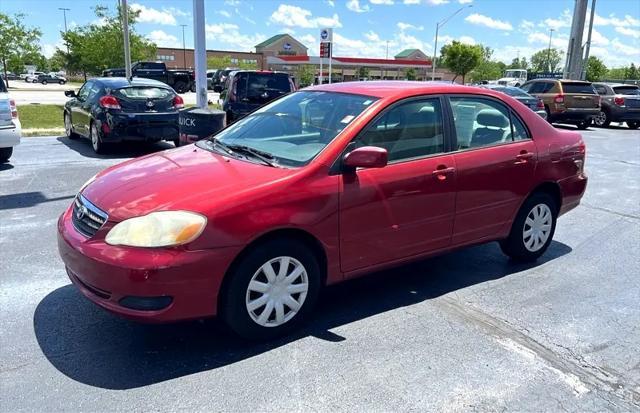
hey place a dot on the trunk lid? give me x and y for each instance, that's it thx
(145, 99)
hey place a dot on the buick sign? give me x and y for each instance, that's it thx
(324, 34)
(287, 46)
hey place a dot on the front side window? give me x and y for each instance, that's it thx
(84, 90)
(409, 130)
(294, 129)
(483, 122)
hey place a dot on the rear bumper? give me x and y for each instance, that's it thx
(10, 135)
(144, 127)
(625, 114)
(572, 189)
(575, 114)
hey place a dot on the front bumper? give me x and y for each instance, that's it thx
(147, 127)
(185, 283)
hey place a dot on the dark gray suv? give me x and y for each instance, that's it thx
(620, 103)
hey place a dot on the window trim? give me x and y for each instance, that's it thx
(454, 133)
(337, 168)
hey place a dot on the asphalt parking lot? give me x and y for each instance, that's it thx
(468, 331)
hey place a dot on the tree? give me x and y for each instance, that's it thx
(363, 73)
(631, 72)
(546, 60)
(617, 73)
(57, 62)
(519, 63)
(306, 75)
(98, 46)
(411, 74)
(462, 58)
(488, 70)
(218, 62)
(596, 69)
(16, 41)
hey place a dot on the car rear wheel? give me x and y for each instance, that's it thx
(633, 125)
(546, 109)
(180, 87)
(44, 82)
(271, 289)
(68, 127)
(62, 82)
(602, 119)
(533, 228)
(5, 154)
(96, 141)
(584, 124)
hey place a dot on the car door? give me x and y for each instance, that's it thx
(78, 109)
(495, 160)
(406, 208)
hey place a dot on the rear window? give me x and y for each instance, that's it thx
(263, 86)
(578, 88)
(627, 90)
(145, 92)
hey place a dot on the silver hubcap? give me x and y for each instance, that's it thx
(600, 118)
(277, 291)
(537, 227)
(67, 125)
(94, 137)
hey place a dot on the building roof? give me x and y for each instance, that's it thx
(407, 52)
(271, 39)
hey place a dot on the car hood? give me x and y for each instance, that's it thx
(188, 178)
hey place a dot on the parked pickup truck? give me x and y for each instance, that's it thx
(180, 80)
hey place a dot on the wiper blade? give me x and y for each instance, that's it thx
(264, 156)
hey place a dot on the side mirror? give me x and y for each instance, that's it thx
(217, 89)
(70, 93)
(366, 157)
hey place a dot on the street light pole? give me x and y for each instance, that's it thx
(435, 45)
(386, 57)
(549, 51)
(125, 36)
(64, 13)
(184, 48)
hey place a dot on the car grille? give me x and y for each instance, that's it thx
(87, 218)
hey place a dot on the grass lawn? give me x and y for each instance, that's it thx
(36, 118)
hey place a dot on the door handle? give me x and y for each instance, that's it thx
(442, 171)
(523, 157)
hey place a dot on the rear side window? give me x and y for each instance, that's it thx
(627, 90)
(409, 130)
(601, 90)
(513, 91)
(576, 87)
(483, 122)
(145, 93)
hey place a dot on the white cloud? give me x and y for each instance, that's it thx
(294, 16)
(437, 2)
(597, 38)
(385, 2)
(48, 49)
(406, 26)
(442, 40)
(467, 40)
(234, 3)
(354, 5)
(220, 28)
(151, 15)
(487, 21)
(558, 41)
(465, 1)
(331, 3)
(526, 26)
(372, 36)
(628, 32)
(224, 13)
(411, 1)
(612, 20)
(163, 39)
(625, 49)
(229, 35)
(177, 12)
(555, 24)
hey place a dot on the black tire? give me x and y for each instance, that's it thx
(180, 87)
(514, 245)
(549, 118)
(96, 140)
(68, 128)
(602, 119)
(62, 82)
(584, 124)
(44, 82)
(193, 87)
(633, 125)
(5, 154)
(233, 307)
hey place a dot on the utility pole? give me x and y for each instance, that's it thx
(386, 57)
(184, 47)
(64, 13)
(435, 46)
(583, 75)
(549, 51)
(200, 53)
(125, 32)
(573, 67)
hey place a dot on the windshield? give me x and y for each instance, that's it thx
(297, 127)
(512, 73)
(627, 90)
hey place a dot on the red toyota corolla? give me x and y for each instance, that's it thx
(320, 186)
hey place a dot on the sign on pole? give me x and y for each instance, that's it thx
(326, 41)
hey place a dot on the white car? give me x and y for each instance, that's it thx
(33, 77)
(10, 128)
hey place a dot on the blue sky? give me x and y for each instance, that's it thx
(363, 27)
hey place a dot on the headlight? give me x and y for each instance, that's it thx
(158, 229)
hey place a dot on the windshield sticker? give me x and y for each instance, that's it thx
(367, 102)
(347, 119)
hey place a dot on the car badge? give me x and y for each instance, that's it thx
(81, 212)
(149, 104)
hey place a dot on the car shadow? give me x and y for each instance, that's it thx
(5, 166)
(27, 199)
(115, 150)
(96, 348)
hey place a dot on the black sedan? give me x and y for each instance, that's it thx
(50, 78)
(116, 109)
(533, 102)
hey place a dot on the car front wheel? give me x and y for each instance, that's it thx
(96, 141)
(602, 119)
(68, 127)
(633, 125)
(271, 289)
(5, 154)
(584, 124)
(44, 82)
(533, 228)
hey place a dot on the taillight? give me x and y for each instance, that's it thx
(540, 104)
(109, 102)
(559, 99)
(178, 102)
(618, 101)
(14, 109)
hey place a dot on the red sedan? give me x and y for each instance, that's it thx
(320, 186)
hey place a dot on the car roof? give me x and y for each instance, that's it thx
(395, 88)
(614, 84)
(118, 82)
